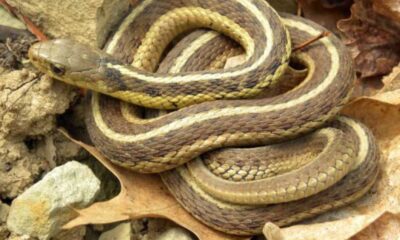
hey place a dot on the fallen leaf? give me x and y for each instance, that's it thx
(367, 88)
(392, 81)
(386, 226)
(375, 216)
(141, 196)
(372, 38)
(335, 3)
(388, 8)
(326, 13)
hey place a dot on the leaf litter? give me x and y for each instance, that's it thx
(373, 36)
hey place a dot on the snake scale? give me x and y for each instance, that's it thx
(303, 171)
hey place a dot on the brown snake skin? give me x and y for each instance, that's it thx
(238, 195)
(248, 220)
(242, 219)
(151, 155)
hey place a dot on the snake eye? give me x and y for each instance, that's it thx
(57, 69)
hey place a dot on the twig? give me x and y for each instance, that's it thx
(310, 41)
(29, 24)
(299, 8)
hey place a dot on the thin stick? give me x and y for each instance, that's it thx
(299, 8)
(310, 41)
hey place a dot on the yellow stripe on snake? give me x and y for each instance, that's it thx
(233, 190)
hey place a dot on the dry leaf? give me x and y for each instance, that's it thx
(385, 227)
(335, 3)
(367, 88)
(388, 8)
(141, 196)
(372, 38)
(325, 12)
(392, 81)
(376, 216)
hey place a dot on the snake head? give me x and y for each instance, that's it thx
(69, 61)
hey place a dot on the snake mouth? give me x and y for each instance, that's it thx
(34, 53)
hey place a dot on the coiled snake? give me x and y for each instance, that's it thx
(232, 188)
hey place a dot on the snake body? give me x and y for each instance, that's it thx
(255, 25)
(244, 219)
(168, 141)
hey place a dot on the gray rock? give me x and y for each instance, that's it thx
(175, 233)
(47, 205)
(121, 232)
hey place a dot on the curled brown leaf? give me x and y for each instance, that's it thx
(141, 196)
(372, 38)
(376, 216)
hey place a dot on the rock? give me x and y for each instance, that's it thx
(163, 229)
(20, 237)
(65, 150)
(59, 18)
(47, 205)
(176, 233)
(121, 232)
(78, 233)
(109, 15)
(28, 109)
(4, 209)
(18, 168)
(91, 233)
(29, 104)
(140, 228)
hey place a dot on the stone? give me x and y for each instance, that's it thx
(175, 233)
(121, 232)
(58, 18)
(109, 15)
(78, 233)
(29, 106)
(46, 206)
(4, 209)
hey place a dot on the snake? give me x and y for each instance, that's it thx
(301, 173)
